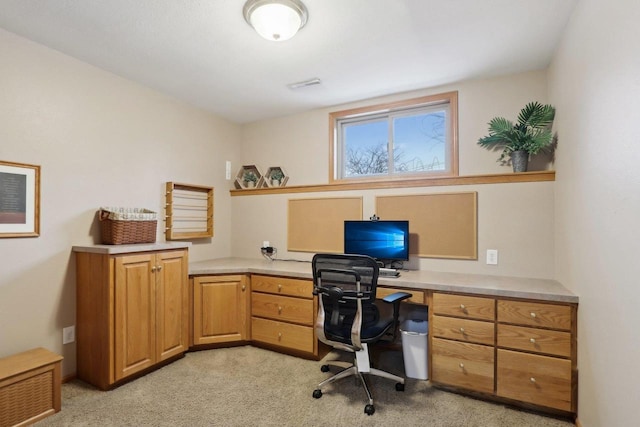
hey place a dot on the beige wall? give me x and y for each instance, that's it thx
(516, 219)
(100, 140)
(594, 81)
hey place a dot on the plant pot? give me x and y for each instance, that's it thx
(251, 184)
(520, 160)
(275, 183)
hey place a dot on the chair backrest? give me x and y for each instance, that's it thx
(346, 288)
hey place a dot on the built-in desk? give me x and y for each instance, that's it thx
(504, 338)
(496, 286)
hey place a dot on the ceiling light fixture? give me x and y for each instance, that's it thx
(276, 20)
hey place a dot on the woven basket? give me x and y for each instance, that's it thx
(121, 226)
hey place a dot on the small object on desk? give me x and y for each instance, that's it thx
(388, 272)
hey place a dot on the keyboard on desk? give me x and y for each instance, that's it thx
(389, 272)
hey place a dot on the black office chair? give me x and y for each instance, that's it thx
(348, 318)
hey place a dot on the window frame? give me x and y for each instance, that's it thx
(370, 112)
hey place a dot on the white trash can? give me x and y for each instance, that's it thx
(414, 348)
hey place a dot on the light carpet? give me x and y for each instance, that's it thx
(249, 386)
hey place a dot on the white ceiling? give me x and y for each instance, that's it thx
(203, 52)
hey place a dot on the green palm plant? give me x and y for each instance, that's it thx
(530, 134)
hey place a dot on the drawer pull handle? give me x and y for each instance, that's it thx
(533, 315)
(533, 380)
(462, 366)
(532, 340)
(462, 330)
(462, 307)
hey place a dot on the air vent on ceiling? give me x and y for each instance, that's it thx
(306, 83)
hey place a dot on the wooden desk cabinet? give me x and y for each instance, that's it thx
(220, 309)
(132, 312)
(536, 353)
(520, 350)
(462, 343)
(283, 312)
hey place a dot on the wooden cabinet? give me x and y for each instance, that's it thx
(529, 345)
(536, 359)
(220, 309)
(283, 311)
(132, 312)
(462, 341)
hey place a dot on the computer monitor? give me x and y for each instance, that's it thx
(382, 240)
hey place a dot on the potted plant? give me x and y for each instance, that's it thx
(250, 179)
(530, 135)
(276, 177)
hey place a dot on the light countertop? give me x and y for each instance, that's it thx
(138, 247)
(500, 286)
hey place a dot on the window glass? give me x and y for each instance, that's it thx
(408, 139)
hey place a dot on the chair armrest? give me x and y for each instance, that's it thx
(396, 297)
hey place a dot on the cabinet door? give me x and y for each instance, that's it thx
(172, 303)
(461, 364)
(135, 321)
(220, 309)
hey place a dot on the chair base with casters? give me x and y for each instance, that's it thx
(356, 369)
(349, 319)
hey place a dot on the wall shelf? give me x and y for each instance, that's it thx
(189, 211)
(241, 184)
(268, 182)
(537, 176)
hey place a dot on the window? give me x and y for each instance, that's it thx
(410, 139)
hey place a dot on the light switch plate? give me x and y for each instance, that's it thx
(68, 334)
(492, 256)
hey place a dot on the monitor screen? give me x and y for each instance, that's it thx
(383, 240)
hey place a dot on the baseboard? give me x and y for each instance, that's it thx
(578, 423)
(69, 378)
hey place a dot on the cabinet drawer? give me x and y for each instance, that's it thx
(540, 380)
(535, 314)
(474, 331)
(282, 286)
(417, 296)
(463, 365)
(535, 340)
(286, 309)
(464, 306)
(282, 334)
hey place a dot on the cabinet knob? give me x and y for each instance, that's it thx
(279, 336)
(532, 340)
(533, 315)
(533, 380)
(462, 365)
(153, 269)
(462, 306)
(159, 267)
(462, 330)
(244, 287)
(279, 309)
(279, 287)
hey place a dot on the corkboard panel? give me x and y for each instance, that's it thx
(317, 225)
(442, 225)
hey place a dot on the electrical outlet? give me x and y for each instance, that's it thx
(68, 334)
(492, 256)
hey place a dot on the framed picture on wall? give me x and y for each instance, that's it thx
(19, 200)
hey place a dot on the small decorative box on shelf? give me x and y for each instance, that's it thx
(275, 177)
(249, 176)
